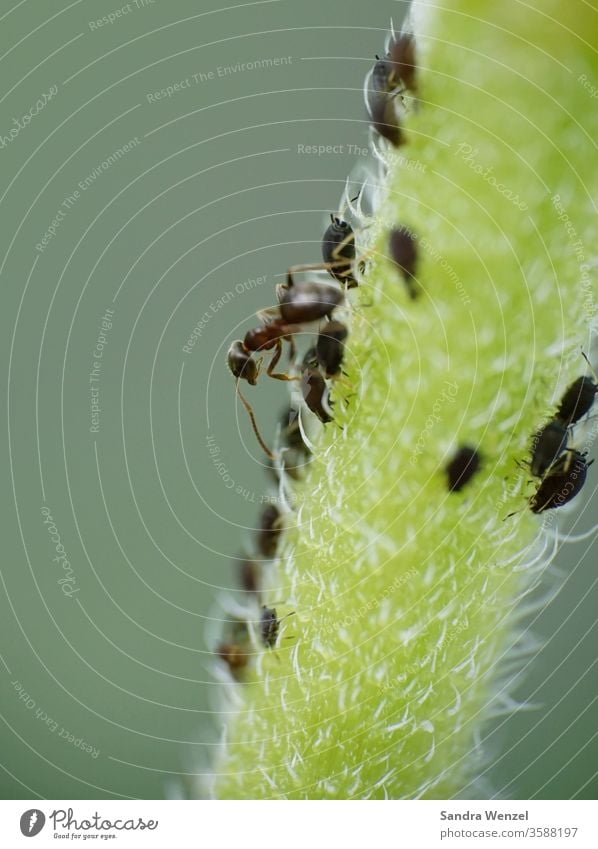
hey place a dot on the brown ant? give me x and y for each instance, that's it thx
(298, 303)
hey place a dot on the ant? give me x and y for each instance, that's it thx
(298, 303)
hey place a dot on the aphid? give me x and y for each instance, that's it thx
(296, 454)
(241, 363)
(270, 625)
(338, 250)
(547, 445)
(249, 573)
(290, 433)
(403, 250)
(269, 531)
(315, 393)
(307, 301)
(577, 400)
(234, 655)
(385, 76)
(235, 649)
(465, 463)
(563, 481)
(402, 57)
(384, 118)
(330, 347)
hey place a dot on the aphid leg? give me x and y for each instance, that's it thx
(251, 415)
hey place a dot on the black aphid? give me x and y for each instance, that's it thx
(577, 400)
(403, 250)
(330, 347)
(547, 445)
(338, 250)
(564, 480)
(384, 118)
(307, 301)
(269, 531)
(249, 573)
(385, 77)
(315, 393)
(403, 59)
(270, 625)
(460, 470)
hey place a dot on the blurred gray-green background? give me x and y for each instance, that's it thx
(167, 173)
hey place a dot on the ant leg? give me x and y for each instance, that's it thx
(268, 314)
(312, 266)
(292, 348)
(251, 415)
(274, 361)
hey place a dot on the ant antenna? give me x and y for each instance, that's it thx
(251, 415)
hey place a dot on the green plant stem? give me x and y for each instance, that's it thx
(405, 593)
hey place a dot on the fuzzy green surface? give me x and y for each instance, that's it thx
(403, 592)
